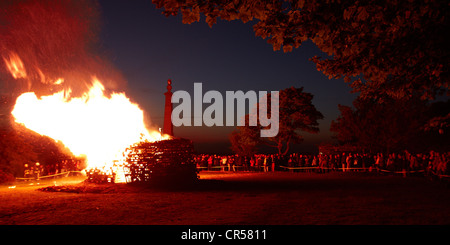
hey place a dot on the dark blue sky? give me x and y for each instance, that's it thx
(149, 48)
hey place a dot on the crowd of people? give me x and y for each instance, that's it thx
(37, 170)
(432, 162)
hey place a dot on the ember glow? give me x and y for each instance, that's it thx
(97, 126)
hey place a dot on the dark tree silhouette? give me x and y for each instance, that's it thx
(244, 141)
(396, 125)
(19, 146)
(398, 47)
(296, 114)
(387, 47)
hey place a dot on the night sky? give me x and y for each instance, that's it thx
(149, 48)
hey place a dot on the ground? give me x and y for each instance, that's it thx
(222, 198)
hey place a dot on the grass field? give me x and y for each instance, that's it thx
(222, 198)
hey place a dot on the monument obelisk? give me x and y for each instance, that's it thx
(168, 127)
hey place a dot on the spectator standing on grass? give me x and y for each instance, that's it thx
(260, 162)
(48, 169)
(224, 162)
(32, 173)
(371, 160)
(380, 161)
(268, 162)
(308, 162)
(204, 160)
(265, 162)
(446, 159)
(322, 163)
(314, 162)
(296, 160)
(337, 161)
(290, 161)
(343, 162)
(37, 171)
(273, 159)
(26, 172)
(429, 162)
(210, 162)
(252, 163)
(349, 161)
(377, 161)
(63, 166)
(301, 161)
(401, 162)
(216, 161)
(436, 161)
(390, 163)
(325, 163)
(329, 162)
(419, 161)
(197, 161)
(238, 162)
(246, 163)
(413, 162)
(231, 162)
(442, 164)
(364, 161)
(356, 161)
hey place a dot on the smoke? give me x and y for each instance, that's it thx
(47, 46)
(54, 39)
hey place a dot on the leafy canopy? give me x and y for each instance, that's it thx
(392, 47)
(396, 125)
(296, 114)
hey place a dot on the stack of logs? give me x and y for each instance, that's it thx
(165, 160)
(98, 176)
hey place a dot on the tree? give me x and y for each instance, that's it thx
(380, 47)
(19, 146)
(296, 114)
(14, 152)
(392, 126)
(245, 140)
(387, 47)
(439, 113)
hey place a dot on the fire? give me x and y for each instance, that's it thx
(15, 66)
(46, 47)
(94, 125)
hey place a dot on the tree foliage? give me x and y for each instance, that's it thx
(19, 146)
(395, 125)
(392, 47)
(244, 140)
(439, 112)
(296, 114)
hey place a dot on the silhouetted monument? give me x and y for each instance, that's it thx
(168, 127)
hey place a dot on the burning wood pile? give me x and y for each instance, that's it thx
(160, 161)
(79, 100)
(165, 160)
(96, 175)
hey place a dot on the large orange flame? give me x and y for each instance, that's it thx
(93, 125)
(15, 66)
